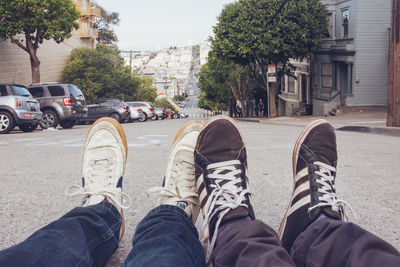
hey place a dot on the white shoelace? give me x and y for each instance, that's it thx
(99, 183)
(184, 185)
(226, 196)
(328, 197)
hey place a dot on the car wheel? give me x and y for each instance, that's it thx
(155, 117)
(49, 120)
(28, 127)
(68, 124)
(6, 122)
(143, 118)
(175, 116)
(116, 117)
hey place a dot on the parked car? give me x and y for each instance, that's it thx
(160, 113)
(114, 108)
(182, 115)
(60, 103)
(147, 108)
(18, 107)
(136, 114)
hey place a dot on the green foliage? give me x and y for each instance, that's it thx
(104, 25)
(28, 22)
(206, 103)
(216, 93)
(254, 33)
(145, 91)
(265, 31)
(179, 98)
(100, 73)
(38, 19)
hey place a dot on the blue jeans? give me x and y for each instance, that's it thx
(88, 236)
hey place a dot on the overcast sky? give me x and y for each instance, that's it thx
(157, 24)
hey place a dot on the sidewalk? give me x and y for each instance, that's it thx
(358, 121)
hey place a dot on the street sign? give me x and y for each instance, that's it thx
(271, 73)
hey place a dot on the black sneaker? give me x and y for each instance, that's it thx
(314, 170)
(222, 184)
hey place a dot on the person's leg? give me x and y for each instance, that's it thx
(167, 235)
(313, 230)
(230, 232)
(87, 235)
(330, 242)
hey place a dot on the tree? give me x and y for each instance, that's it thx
(255, 33)
(146, 90)
(220, 75)
(27, 23)
(101, 73)
(104, 25)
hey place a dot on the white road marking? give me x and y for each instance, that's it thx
(149, 140)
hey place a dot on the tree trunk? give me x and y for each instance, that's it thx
(243, 107)
(35, 62)
(35, 68)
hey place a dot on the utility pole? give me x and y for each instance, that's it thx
(393, 118)
(131, 52)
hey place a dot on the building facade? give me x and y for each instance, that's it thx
(295, 97)
(16, 68)
(351, 66)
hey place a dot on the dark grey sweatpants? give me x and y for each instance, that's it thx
(326, 242)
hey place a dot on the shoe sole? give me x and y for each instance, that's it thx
(121, 132)
(179, 134)
(295, 157)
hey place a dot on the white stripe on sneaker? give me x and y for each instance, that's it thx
(301, 174)
(304, 201)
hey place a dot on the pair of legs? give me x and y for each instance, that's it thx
(206, 171)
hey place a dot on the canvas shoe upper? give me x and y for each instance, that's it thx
(314, 170)
(103, 166)
(179, 187)
(221, 165)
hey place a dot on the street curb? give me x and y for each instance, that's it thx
(354, 128)
(373, 130)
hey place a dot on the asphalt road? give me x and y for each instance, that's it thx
(37, 168)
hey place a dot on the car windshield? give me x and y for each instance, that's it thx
(74, 91)
(20, 91)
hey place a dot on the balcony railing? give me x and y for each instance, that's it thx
(89, 33)
(91, 12)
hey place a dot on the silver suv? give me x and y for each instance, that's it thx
(60, 103)
(18, 107)
(146, 107)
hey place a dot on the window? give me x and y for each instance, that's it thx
(345, 23)
(326, 75)
(36, 91)
(330, 26)
(20, 91)
(74, 91)
(291, 83)
(84, 26)
(3, 90)
(84, 5)
(56, 90)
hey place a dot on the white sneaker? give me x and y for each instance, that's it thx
(179, 186)
(103, 166)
